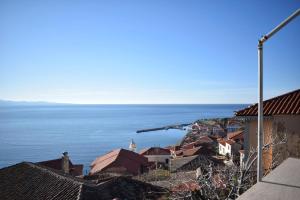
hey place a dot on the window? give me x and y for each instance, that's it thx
(167, 161)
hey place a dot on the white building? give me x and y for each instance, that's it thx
(229, 147)
(132, 146)
(242, 158)
(157, 155)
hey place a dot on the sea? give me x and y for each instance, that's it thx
(43, 132)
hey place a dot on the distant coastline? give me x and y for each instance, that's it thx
(28, 103)
(35, 133)
(4, 102)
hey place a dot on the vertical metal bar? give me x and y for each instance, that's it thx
(260, 131)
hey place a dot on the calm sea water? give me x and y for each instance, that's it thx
(37, 133)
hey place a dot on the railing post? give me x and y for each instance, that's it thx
(260, 131)
(260, 128)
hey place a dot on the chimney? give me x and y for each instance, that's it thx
(65, 163)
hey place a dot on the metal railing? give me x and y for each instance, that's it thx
(260, 90)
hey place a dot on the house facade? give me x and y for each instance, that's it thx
(242, 157)
(157, 155)
(281, 120)
(229, 147)
(222, 148)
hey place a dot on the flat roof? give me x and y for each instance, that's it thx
(281, 183)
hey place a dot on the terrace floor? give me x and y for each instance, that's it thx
(281, 183)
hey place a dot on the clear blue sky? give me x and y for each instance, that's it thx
(154, 51)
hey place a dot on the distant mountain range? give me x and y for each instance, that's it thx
(27, 103)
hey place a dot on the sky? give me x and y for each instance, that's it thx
(145, 52)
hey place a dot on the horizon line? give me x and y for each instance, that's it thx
(70, 103)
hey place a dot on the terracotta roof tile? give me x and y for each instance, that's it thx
(129, 160)
(222, 142)
(235, 135)
(204, 139)
(189, 145)
(191, 152)
(155, 151)
(179, 163)
(286, 104)
(230, 142)
(28, 181)
(179, 153)
(75, 170)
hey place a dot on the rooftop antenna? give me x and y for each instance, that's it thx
(260, 90)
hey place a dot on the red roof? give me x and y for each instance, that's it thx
(234, 122)
(286, 104)
(235, 135)
(121, 158)
(222, 142)
(230, 142)
(189, 145)
(191, 152)
(54, 164)
(155, 151)
(179, 152)
(75, 170)
(204, 139)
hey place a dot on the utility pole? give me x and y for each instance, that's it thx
(260, 127)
